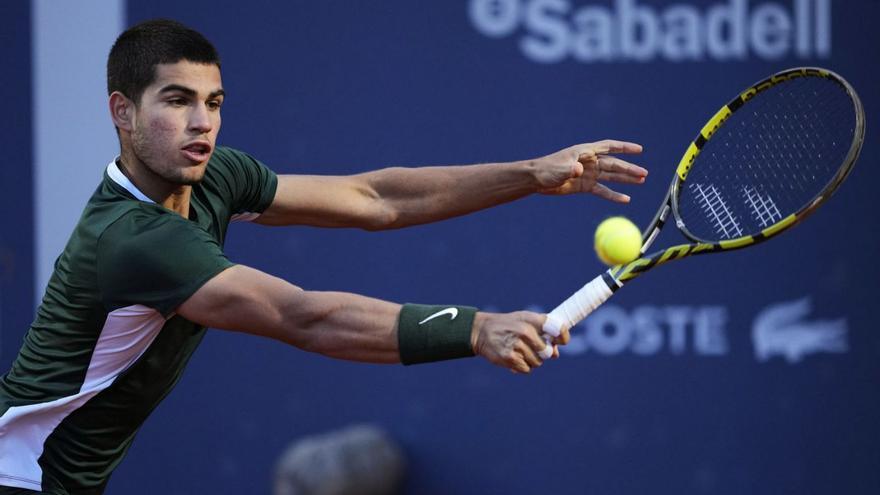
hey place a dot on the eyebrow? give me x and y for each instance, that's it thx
(189, 91)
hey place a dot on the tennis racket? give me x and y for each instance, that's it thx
(760, 165)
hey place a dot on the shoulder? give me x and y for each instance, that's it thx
(225, 158)
(244, 181)
(155, 258)
(148, 230)
(229, 169)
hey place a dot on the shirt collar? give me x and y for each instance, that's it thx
(118, 177)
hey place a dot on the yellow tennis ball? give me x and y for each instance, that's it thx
(617, 241)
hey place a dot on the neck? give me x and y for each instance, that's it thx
(174, 197)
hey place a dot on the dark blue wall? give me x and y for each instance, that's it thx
(16, 236)
(661, 391)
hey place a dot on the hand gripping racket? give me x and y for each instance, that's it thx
(760, 165)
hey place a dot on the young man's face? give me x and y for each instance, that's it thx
(177, 121)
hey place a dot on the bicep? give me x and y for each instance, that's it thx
(242, 299)
(325, 201)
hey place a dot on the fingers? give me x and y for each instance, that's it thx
(607, 146)
(563, 337)
(516, 341)
(547, 352)
(617, 170)
(590, 151)
(534, 344)
(604, 168)
(620, 178)
(522, 359)
(530, 355)
(576, 168)
(604, 192)
(519, 366)
(555, 333)
(611, 169)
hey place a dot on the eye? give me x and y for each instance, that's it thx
(177, 102)
(214, 104)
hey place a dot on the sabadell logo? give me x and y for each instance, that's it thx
(550, 31)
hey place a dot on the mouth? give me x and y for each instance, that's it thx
(197, 151)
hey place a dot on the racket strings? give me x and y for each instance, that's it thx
(770, 159)
(717, 211)
(763, 207)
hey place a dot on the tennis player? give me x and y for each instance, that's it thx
(144, 272)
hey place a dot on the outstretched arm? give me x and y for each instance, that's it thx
(347, 326)
(399, 197)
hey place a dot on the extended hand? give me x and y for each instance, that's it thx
(513, 340)
(580, 168)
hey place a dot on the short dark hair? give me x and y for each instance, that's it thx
(131, 66)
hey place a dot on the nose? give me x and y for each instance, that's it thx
(200, 120)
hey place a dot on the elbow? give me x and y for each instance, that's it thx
(382, 217)
(383, 208)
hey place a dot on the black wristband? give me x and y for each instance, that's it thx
(434, 333)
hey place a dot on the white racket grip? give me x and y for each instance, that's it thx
(572, 311)
(547, 352)
(553, 326)
(580, 304)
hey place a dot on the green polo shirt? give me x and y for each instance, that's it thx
(106, 347)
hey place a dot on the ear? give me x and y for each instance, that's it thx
(122, 111)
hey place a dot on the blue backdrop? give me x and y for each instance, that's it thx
(670, 387)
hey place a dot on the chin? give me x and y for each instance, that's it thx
(189, 177)
(192, 179)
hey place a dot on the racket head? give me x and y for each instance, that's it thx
(768, 159)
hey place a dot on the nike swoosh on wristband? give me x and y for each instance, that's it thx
(453, 312)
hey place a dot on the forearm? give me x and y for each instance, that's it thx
(358, 328)
(341, 325)
(415, 196)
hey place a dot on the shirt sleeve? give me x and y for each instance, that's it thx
(158, 261)
(250, 185)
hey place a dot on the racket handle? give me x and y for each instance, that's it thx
(580, 304)
(573, 310)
